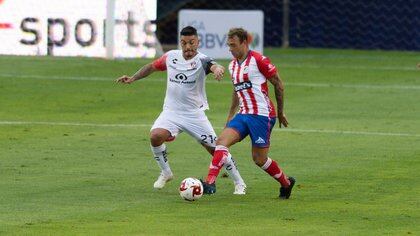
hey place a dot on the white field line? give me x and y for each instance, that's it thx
(385, 68)
(321, 85)
(339, 55)
(302, 65)
(358, 86)
(292, 130)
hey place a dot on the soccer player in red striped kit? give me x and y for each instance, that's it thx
(250, 72)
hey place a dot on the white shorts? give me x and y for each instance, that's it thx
(196, 124)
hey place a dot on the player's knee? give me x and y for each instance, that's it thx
(258, 159)
(156, 139)
(258, 163)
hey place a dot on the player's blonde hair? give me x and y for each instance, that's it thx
(241, 33)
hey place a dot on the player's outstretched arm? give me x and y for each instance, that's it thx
(279, 92)
(140, 74)
(218, 71)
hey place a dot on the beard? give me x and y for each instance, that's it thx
(189, 53)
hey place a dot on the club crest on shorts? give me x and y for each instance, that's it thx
(260, 140)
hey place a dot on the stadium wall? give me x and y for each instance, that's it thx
(358, 24)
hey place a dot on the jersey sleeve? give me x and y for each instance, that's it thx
(207, 63)
(266, 67)
(160, 63)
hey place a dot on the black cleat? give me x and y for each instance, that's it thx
(285, 192)
(208, 188)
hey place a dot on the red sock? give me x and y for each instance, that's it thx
(219, 158)
(274, 170)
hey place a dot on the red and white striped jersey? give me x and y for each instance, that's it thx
(250, 83)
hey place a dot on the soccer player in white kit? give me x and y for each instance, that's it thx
(185, 103)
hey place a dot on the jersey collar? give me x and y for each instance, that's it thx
(247, 55)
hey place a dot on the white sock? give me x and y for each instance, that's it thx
(232, 170)
(162, 158)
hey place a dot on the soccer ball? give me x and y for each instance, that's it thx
(191, 189)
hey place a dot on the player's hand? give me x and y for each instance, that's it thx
(218, 72)
(125, 79)
(283, 120)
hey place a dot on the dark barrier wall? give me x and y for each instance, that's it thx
(167, 16)
(360, 24)
(379, 24)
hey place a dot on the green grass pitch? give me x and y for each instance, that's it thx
(75, 156)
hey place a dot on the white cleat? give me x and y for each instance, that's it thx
(240, 189)
(162, 180)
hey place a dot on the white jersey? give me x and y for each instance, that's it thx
(185, 89)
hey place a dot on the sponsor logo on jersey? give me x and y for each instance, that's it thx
(181, 78)
(242, 86)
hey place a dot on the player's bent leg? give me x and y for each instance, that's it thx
(259, 155)
(232, 169)
(158, 136)
(157, 139)
(226, 139)
(271, 167)
(211, 151)
(201, 129)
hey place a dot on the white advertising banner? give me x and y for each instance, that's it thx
(74, 28)
(213, 26)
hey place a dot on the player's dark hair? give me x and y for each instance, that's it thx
(240, 33)
(189, 31)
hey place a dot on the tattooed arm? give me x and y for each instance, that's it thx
(279, 92)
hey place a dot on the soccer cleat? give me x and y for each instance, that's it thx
(285, 192)
(240, 189)
(208, 188)
(162, 180)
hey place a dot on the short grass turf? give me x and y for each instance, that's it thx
(75, 156)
